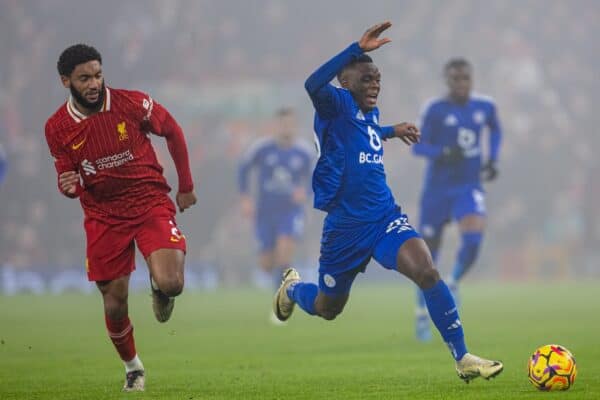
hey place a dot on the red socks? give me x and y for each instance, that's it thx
(121, 334)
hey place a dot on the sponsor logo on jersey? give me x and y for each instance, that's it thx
(370, 158)
(122, 129)
(116, 160)
(76, 146)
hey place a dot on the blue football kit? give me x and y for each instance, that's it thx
(363, 220)
(453, 189)
(280, 171)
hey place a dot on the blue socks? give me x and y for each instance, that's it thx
(304, 294)
(444, 315)
(471, 241)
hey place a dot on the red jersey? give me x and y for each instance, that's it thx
(112, 152)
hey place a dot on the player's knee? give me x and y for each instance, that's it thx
(330, 312)
(115, 305)
(172, 287)
(427, 277)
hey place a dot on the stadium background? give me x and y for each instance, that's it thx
(222, 68)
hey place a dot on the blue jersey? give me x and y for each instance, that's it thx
(349, 179)
(446, 123)
(280, 171)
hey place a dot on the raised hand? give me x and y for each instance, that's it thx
(185, 200)
(408, 132)
(370, 39)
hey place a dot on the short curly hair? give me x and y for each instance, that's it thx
(74, 55)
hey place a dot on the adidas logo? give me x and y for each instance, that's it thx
(455, 325)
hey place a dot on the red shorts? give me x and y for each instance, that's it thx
(110, 242)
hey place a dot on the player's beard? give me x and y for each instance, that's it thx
(96, 105)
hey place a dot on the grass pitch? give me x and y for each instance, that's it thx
(220, 345)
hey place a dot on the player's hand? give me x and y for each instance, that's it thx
(489, 172)
(185, 200)
(68, 181)
(247, 206)
(452, 154)
(408, 132)
(370, 39)
(299, 195)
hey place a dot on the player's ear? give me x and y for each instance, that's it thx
(343, 78)
(65, 81)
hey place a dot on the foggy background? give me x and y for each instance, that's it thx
(222, 68)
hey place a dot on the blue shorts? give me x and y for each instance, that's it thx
(271, 226)
(439, 207)
(346, 250)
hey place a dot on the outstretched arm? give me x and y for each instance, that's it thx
(324, 96)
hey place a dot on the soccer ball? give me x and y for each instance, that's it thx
(552, 367)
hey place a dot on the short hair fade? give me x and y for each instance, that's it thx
(363, 58)
(74, 55)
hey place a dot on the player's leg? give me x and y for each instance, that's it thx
(435, 212)
(110, 261)
(412, 259)
(469, 211)
(120, 330)
(289, 229)
(266, 235)
(326, 300)
(344, 253)
(163, 247)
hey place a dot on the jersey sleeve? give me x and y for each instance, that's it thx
(326, 98)
(425, 147)
(495, 133)
(158, 120)
(62, 161)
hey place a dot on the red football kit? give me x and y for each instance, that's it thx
(123, 193)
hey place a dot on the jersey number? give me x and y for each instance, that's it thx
(374, 139)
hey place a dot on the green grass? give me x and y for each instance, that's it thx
(220, 345)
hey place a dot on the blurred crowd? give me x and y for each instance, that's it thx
(223, 68)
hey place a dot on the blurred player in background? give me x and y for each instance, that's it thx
(102, 153)
(363, 220)
(451, 130)
(3, 164)
(283, 164)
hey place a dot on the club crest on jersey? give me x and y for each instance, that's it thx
(479, 117)
(451, 120)
(122, 129)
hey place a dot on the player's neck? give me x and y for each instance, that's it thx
(459, 99)
(84, 110)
